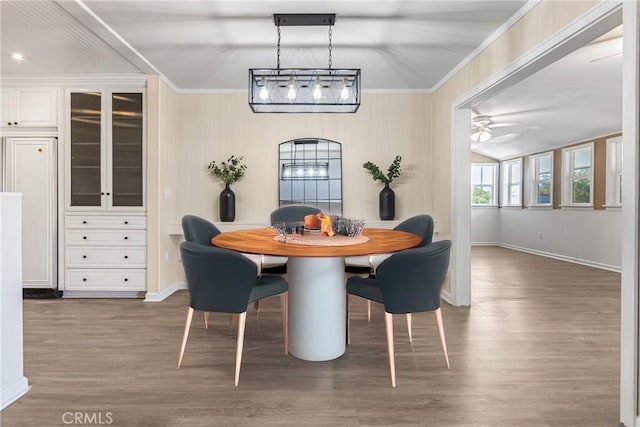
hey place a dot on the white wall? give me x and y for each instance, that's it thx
(591, 237)
(13, 384)
(485, 225)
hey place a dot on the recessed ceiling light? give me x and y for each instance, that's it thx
(17, 56)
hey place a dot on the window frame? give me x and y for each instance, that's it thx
(614, 173)
(507, 184)
(494, 185)
(568, 176)
(534, 179)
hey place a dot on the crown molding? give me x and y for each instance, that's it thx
(487, 42)
(139, 80)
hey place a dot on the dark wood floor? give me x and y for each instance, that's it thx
(539, 347)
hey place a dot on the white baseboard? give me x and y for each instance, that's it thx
(14, 392)
(165, 293)
(446, 295)
(485, 244)
(586, 262)
(102, 294)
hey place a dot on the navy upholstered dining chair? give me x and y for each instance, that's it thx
(421, 225)
(407, 282)
(224, 281)
(198, 230)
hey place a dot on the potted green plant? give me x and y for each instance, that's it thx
(387, 199)
(229, 172)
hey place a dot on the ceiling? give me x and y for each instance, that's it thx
(398, 44)
(577, 98)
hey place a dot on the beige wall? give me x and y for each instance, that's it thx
(214, 126)
(162, 144)
(545, 19)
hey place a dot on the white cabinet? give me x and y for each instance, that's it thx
(105, 221)
(28, 107)
(105, 151)
(31, 170)
(105, 252)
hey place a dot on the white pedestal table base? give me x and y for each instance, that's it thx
(317, 307)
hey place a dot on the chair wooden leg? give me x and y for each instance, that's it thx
(368, 310)
(185, 335)
(206, 320)
(388, 323)
(438, 314)
(242, 320)
(256, 305)
(409, 327)
(285, 320)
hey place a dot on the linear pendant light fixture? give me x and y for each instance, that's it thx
(304, 90)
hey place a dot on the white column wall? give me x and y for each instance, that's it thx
(13, 383)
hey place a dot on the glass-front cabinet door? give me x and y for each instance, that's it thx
(106, 149)
(86, 150)
(126, 150)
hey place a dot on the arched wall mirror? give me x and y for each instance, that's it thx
(310, 173)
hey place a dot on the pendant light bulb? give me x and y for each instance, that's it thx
(317, 89)
(264, 93)
(291, 93)
(344, 93)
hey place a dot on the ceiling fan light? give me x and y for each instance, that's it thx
(481, 135)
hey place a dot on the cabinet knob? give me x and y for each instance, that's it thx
(126, 222)
(84, 237)
(102, 193)
(15, 123)
(108, 194)
(84, 256)
(126, 238)
(126, 257)
(84, 279)
(9, 123)
(84, 222)
(126, 280)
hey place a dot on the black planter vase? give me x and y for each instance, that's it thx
(227, 204)
(387, 204)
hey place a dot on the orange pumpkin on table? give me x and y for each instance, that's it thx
(312, 222)
(320, 222)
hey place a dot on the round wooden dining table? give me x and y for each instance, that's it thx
(315, 273)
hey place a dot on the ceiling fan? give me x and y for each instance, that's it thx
(481, 126)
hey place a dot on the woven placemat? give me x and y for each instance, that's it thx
(321, 240)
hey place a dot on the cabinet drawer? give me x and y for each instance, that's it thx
(120, 221)
(106, 237)
(106, 280)
(105, 257)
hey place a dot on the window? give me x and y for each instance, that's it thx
(483, 184)
(512, 182)
(614, 172)
(577, 183)
(541, 178)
